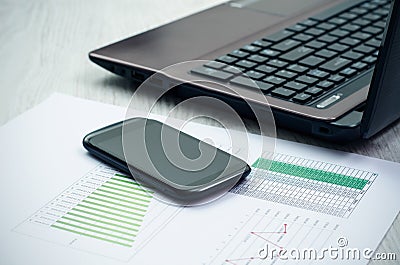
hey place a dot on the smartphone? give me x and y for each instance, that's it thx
(167, 160)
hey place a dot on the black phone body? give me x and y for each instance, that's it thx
(145, 155)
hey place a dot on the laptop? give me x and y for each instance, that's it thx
(328, 68)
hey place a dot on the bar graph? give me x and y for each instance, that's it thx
(113, 213)
(104, 212)
(308, 184)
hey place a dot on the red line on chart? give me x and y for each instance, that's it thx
(233, 261)
(269, 241)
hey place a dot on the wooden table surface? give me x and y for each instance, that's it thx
(44, 49)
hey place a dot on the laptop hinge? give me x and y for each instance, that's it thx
(383, 102)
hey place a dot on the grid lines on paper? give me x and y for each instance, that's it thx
(314, 185)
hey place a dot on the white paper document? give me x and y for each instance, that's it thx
(62, 206)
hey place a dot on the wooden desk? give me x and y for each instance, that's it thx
(44, 48)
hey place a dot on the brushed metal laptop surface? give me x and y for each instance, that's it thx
(202, 33)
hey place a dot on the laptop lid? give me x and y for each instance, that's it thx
(383, 102)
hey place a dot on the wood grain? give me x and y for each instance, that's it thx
(44, 49)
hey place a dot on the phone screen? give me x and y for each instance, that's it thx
(158, 150)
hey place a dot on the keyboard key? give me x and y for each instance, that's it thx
(303, 37)
(326, 53)
(277, 63)
(337, 21)
(372, 17)
(361, 36)
(297, 68)
(314, 91)
(380, 24)
(243, 81)
(335, 65)
(264, 86)
(234, 69)
(351, 27)
(379, 37)
(314, 32)
(266, 69)
(336, 79)
(297, 28)
(255, 75)
(227, 59)
(302, 98)
(308, 23)
(359, 11)
(318, 73)
(286, 74)
(348, 72)
(352, 55)
(339, 33)
(270, 53)
(315, 44)
(361, 22)
(257, 58)
(383, 2)
(312, 61)
(372, 30)
(307, 80)
(246, 64)
(364, 49)
(212, 73)
(360, 66)
(275, 80)
(382, 12)
(350, 42)
(348, 16)
(297, 54)
(325, 85)
(369, 6)
(338, 47)
(262, 43)
(286, 45)
(215, 65)
(283, 93)
(296, 86)
(387, 6)
(326, 26)
(374, 43)
(328, 38)
(279, 36)
(239, 54)
(246, 82)
(370, 59)
(250, 48)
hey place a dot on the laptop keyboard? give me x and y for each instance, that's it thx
(305, 61)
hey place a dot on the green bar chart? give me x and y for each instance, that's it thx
(103, 212)
(309, 184)
(112, 213)
(310, 173)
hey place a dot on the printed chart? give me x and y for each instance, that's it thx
(105, 212)
(308, 184)
(277, 229)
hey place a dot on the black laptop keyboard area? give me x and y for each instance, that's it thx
(304, 62)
